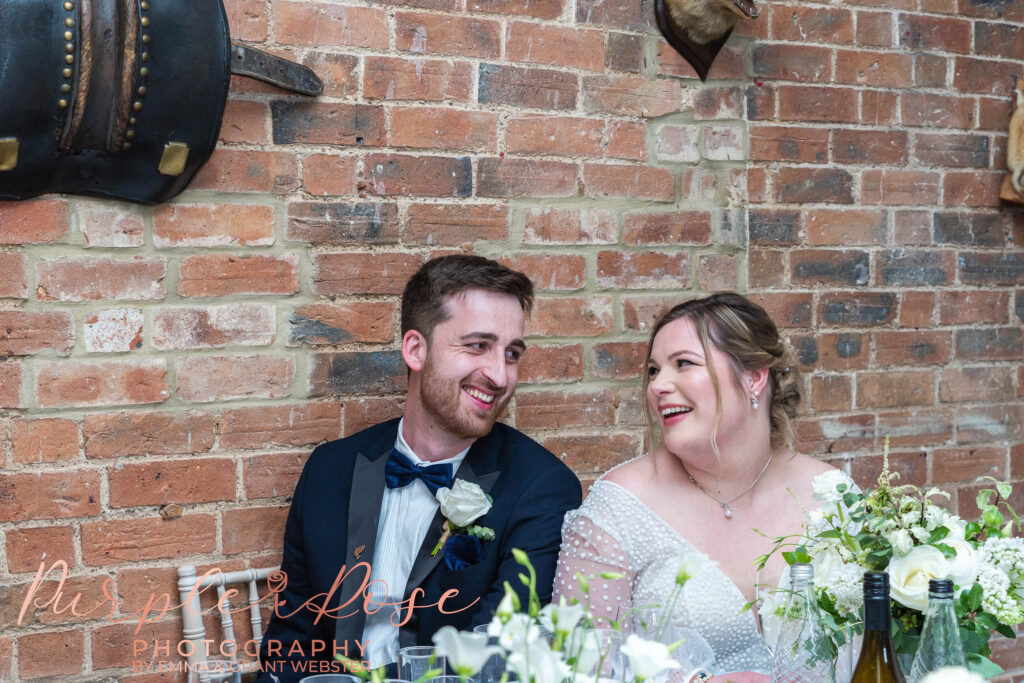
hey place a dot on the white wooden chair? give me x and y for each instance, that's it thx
(190, 587)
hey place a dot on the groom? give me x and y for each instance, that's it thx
(370, 498)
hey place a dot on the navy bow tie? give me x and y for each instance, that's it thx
(400, 471)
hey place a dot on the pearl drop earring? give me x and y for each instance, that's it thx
(754, 402)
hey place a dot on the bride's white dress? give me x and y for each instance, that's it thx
(614, 531)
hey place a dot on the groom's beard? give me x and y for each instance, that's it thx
(441, 397)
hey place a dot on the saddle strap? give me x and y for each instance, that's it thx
(263, 66)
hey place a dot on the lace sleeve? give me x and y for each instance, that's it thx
(590, 551)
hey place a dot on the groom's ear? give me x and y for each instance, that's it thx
(414, 350)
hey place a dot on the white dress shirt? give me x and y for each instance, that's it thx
(405, 514)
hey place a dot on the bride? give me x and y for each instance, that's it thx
(721, 388)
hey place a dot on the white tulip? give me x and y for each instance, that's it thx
(909, 575)
(463, 503)
(466, 652)
(648, 658)
(690, 565)
(561, 618)
(519, 631)
(535, 662)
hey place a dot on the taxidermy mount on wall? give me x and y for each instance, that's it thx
(1013, 185)
(697, 29)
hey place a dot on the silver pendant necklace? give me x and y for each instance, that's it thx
(725, 503)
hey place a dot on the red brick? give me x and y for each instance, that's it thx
(792, 62)
(831, 393)
(14, 283)
(929, 110)
(914, 268)
(760, 101)
(202, 379)
(556, 135)
(116, 541)
(717, 272)
(838, 434)
(878, 108)
(253, 529)
(878, 69)
(787, 309)
(272, 475)
(939, 34)
(967, 464)
(679, 143)
(990, 423)
(729, 64)
(552, 363)
(392, 78)
(973, 306)
(1000, 268)
(114, 435)
(396, 174)
(56, 653)
(618, 360)
(718, 103)
(328, 174)
(339, 72)
(33, 222)
(230, 274)
(570, 226)
(984, 76)
(363, 273)
(998, 40)
(843, 268)
(245, 122)
(676, 228)
(542, 9)
(895, 389)
(998, 343)
(447, 34)
(356, 372)
(455, 224)
(869, 147)
(1006, 12)
(197, 480)
(78, 384)
(952, 150)
(49, 495)
(328, 123)
(498, 177)
(812, 24)
(930, 71)
(46, 440)
(593, 453)
(842, 228)
(10, 385)
(332, 324)
(438, 128)
(643, 270)
(89, 278)
(25, 334)
(874, 29)
(912, 467)
(857, 309)
(631, 96)
(806, 185)
(828, 105)
(912, 228)
(343, 223)
(911, 348)
(917, 309)
(625, 52)
(113, 330)
(266, 426)
(560, 409)
(319, 24)
(588, 316)
(231, 170)
(547, 44)
(109, 225)
(640, 311)
(212, 225)
(703, 184)
(900, 187)
(527, 87)
(979, 188)
(215, 327)
(247, 19)
(723, 143)
(916, 427)
(112, 646)
(766, 268)
(640, 182)
(621, 14)
(778, 143)
(976, 384)
(361, 413)
(28, 548)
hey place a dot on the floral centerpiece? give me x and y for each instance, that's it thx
(906, 532)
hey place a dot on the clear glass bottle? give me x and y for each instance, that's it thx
(877, 663)
(803, 653)
(940, 636)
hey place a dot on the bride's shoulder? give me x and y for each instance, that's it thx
(631, 474)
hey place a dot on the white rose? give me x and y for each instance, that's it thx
(823, 487)
(463, 503)
(952, 674)
(909, 575)
(900, 541)
(826, 561)
(963, 568)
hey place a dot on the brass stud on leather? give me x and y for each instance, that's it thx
(132, 121)
(129, 133)
(69, 6)
(63, 104)
(65, 88)
(145, 56)
(68, 35)
(126, 145)
(137, 106)
(69, 59)
(142, 91)
(69, 47)
(145, 21)
(145, 39)
(145, 5)
(144, 71)
(172, 161)
(8, 154)
(69, 22)
(67, 73)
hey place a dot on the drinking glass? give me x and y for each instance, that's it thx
(415, 661)
(693, 651)
(494, 667)
(598, 651)
(445, 679)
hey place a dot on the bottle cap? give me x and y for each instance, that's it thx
(876, 585)
(800, 572)
(940, 588)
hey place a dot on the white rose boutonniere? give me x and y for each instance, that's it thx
(463, 504)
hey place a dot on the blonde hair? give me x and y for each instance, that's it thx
(745, 333)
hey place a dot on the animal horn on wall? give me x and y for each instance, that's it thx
(1013, 185)
(697, 29)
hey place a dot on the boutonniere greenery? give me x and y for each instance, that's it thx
(461, 505)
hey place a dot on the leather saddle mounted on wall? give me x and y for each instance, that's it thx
(119, 98)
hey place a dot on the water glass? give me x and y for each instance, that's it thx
(494, 667)
(445, 679)
(415, 661)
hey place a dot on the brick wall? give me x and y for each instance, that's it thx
(841, 165)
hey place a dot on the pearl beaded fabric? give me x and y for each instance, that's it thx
(614, 531)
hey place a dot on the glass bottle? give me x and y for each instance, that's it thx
(803, 653)
(940, 636)
(877, 663)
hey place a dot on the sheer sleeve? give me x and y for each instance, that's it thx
(590, 551)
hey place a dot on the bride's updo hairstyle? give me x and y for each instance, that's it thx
(744, 332)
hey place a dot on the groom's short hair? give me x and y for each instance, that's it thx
(425, 295)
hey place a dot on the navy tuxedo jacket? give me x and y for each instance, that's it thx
(332, 526)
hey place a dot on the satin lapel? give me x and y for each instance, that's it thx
(363, 516)
(479, 467)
